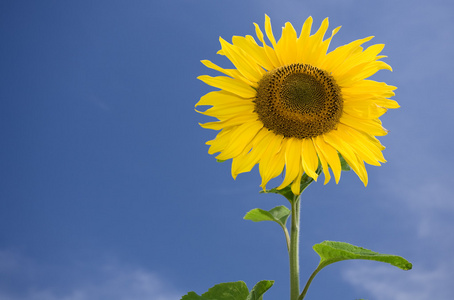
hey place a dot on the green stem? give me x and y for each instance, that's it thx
(294, 250)
(303, 294)
(294, 236)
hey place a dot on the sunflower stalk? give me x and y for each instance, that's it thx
(294, 250)
(295, 235)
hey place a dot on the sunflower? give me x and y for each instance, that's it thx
(291, 105)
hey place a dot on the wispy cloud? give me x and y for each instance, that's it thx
(384, 283)
(113, 281)
(429, 209)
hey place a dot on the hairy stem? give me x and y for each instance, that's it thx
(294, 250)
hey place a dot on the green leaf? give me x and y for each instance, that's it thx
(221, 160)
(232, 291)
(223, 291)
(278, 214)
(259, 289)
(331, 252)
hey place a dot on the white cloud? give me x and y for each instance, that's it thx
(429, 210)
(385, 283)
(429, 203)
(111, 281)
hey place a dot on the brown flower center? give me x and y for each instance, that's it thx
(299, 101)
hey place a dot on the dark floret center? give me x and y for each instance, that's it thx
(299, 101)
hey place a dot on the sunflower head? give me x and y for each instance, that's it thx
(292, 105)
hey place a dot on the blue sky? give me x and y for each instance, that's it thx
(107, 190)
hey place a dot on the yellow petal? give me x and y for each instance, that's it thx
(255, 52)
(229, 72)
(213, 98)
(268, 50)
(318, 36)
(292, 161)
(362, 57)
(220, 98)
(225, 105)
(247, 67)
(303, 45)
(370, 155)
(231, 122)
(330, 155)
(251, 153)
(370, 126)
(316, 43)
(229, 111)
(364, 110)
(360, 72)
(370, 87)
(286, 47)
(296, 184)
(365, 143)
(273, 160)
(388, 103)
(325, 166)
(230, 85)
(347, 152)
(240, 138)
(309, 158)
(220, 142)
(269, 31)
(336, 58)
(320, 52)
(275, 166)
